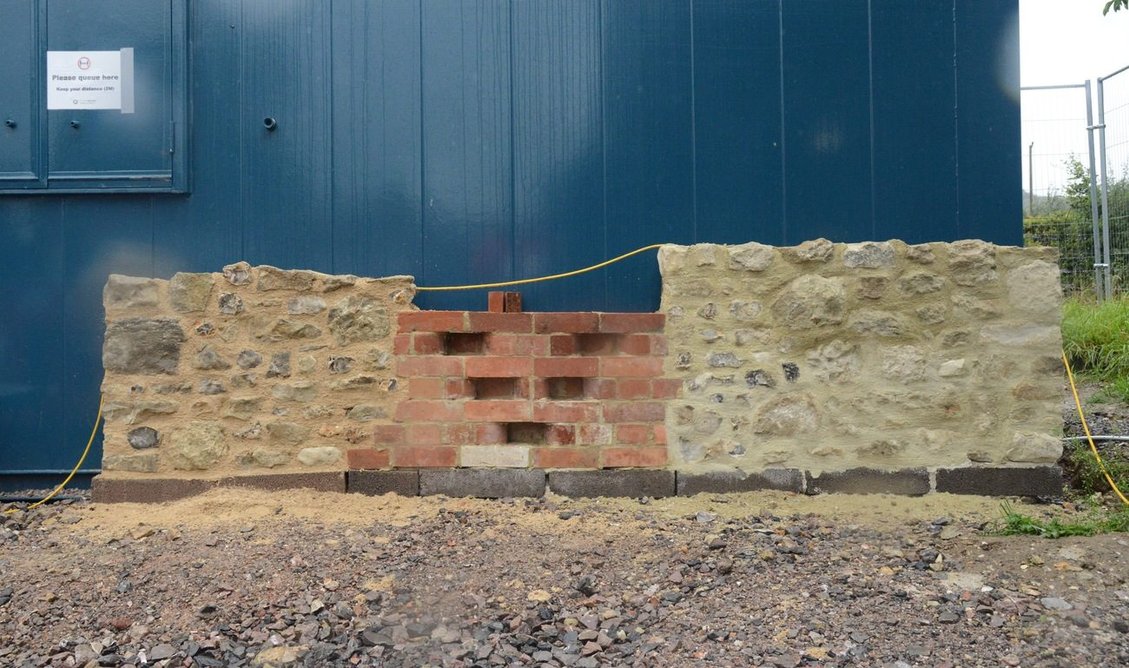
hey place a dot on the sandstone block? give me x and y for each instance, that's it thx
(302, 391)
(810, 301)
(305, 305)
(283, 329)
(751, 257)
(358, 319)
(905, 364)
(921, 283)
(143, 346)
(288, 433)
(1033, 448)
(130, 292)
(869, 255)
(242, 408)
(189, 293)
(146, 463)
(320, 456)
(972, 262)
(1035, 289)
(197, 446)
(787, 416)
(273, 278)
(818, 250)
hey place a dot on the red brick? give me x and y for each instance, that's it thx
(425, 456)
(666, 388)
(459, 388)
(428, 343)
(459, 433)
(427, 388)
(512, 302)
(490, 433)
(625, 457)
(520, 323)
(572, 322)
(425, 434)
(430, 365)
(594, 434)
(367, 458)
(635, 344)
(501, 410)
(660, 434)
(599, 388)
(498, 367)
(633, 388)
(565, 411)
(402, 344)
(631, 367)
(565, 389)
(561, 367)
(388, 434)
(634, 411)
(424, 410)
(565, 458)
(633, 434)
(562, 344)
(495, 301)
(626, 323)
(516, 344)
(432, 321)
(597, 344)
(560, 434)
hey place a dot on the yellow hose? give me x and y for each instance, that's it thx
(526, 281)
(1086, 428)
(86, 451)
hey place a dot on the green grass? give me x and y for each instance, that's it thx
(1096, 339)
(1093, 522)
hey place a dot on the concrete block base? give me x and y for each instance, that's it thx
(375, 483)
(725, 482)
(614, 482)
(482, 483)
(1028, 481)
(909, 482)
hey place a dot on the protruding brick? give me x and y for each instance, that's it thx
(417, 410)
(635, 344)
(624, 482)
(726, 482)
(431, 321)
(995, 481)
(570, 323)
(565, 411)
(498, 367)
(459, 433)
(490, 433)
(427, 388)
(483, 483)
(512, 302)
(425, 433)
(911, 482)
(562, 344)
(496, 301)
(428, 343)
(632, 322)
(500, 322)
(429, 365)
(599, 388)
(597, 344)
(633, 457)
(634, 411)
(368, 458)
(501, 410)
(666, 388)
(560, 434)
(494, 456)
(424, 456)
(566, 458)
(631, 367)
(388, 434)
(633, 388)
(594, 434)
(516, 344)
(373, 483)
(577, 367)
(634, 434)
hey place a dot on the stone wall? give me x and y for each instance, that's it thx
(830, 357)
(253, 370)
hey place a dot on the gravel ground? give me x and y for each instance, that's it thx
(240, 577)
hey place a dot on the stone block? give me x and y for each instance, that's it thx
(617, 482)
(358, 319)
(130, 292)
(328, 481)
(374, 483)
(189, 293)
(1014, 481)
(910, 482)
(725, 482)
(143, 346)
(483, 483)
(106, 489)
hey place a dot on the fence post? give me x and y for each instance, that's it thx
(1106, 265)
(1099, 276)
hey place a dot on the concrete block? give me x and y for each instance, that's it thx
(1019, 481)
(910, 482)
(616, 482)
(327, 481)
(145, 490)
(724, 482)
(483, 483)
(374, 483)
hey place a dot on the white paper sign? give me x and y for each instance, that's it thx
(84, 80)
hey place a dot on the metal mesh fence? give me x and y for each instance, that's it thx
(1114, 99)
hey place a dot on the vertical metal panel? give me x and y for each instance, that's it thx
(467, 178)
(827, 121)
(377, 176)
(558, 147)
(19, 105)
(914, 121)
(649, 137)
(988, 143)
(287, 198)
(737, 121)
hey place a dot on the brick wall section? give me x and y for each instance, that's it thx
(526, 390)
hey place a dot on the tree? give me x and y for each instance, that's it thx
(1115, 5)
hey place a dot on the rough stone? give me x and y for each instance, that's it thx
(930, 314)
(810, 301)
(197, 446)
(130, 292)
(972, 262)
(340, 364)
(735, 481)
(146, 463)
(279, 365)
(331, 283)
(911, 482)
(374, 483)
(995, 481)
(306, 364)
(745, 311)
(143, 346)
(189, 293)
(905, 364)
(1034, 448)
(142, 438)
(787, 415)
(724, 359)
(268, 458)
(751, 257)
(289, 433)
(1023, 335)
(921, 254)
(358, 319)
(238, 273)
(365, 412)
(873, 287)
(305, 305)
(921, 283)
(230, 303)
(273, 278)
(818, 250)
(952, 368)
(318, 456)
(870, 255)
(283, 329)
(211, 386)
(835, 361)
(242, 408)
(300, 391)
(654, 483)
(483, 483)
(878, 323)
(209, 359)
(1035, 289)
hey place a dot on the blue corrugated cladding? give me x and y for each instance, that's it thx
(463, 141)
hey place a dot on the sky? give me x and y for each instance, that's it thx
(1066, 42)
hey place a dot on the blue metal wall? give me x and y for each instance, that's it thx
(461, 141)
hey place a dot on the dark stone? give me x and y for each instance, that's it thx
(231, 303)
(279, 366)
(145, 490)
(139, 345)
(249, 359)
(759, 378)
(791, 372)
(483, 483)
(209, 386)
(205, 329)
(208, 359)
(373, 483)
(910, 482)
(340, 364)
(143, 437)
(724, 482)
(1026, 481)
(328, 481)
(618, 482)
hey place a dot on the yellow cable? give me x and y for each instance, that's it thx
(1086, 428)
(524, 281)
(62, 485)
